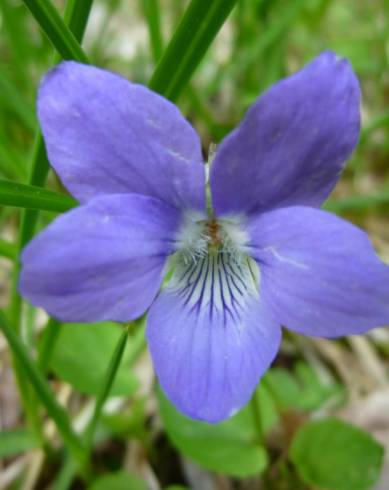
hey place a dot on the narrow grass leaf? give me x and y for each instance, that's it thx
(56, 30)
(33, 197)
(151, 11)
(197, 29)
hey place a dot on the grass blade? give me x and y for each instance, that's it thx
(151, 12)
(357, 203)
(56, 30)
(197, 29)
(33, 197)
(76, 13)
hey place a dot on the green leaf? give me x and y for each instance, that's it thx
(332, 454)
(301, 389)
(33, 197)
(16, 442)
(76, 15)
(118, 481)
(197, 29)
(82, 354)
(230, 447)
(56, 30)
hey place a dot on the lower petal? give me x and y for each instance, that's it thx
(320, 274)
(101, 261)
(211, 338)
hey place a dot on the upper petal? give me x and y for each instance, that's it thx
(106, 135)
(292, 143)
(101, 261)
(211, 338)
(319, 274)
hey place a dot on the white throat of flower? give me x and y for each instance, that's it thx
(211, 270)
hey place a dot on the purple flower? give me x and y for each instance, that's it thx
(259, 255)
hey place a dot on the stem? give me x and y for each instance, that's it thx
(110, 375)
(256, 412)
(49, 339)
(66, 474)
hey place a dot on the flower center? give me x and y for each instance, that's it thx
(199, 237)
(211, 269)
(213, 230)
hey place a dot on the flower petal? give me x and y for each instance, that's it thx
(105, 135)
(293, 142)
(101, 261)
(319, 274)
(211, 338)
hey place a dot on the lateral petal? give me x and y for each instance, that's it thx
(319, 274)
(101, 261)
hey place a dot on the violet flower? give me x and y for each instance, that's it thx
(259, 255)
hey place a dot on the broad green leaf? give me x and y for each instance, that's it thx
(33, 197)
(82, 353)
(118, 481)
(16, 442)
(301, 389)
(335, 455)
(231, 447)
